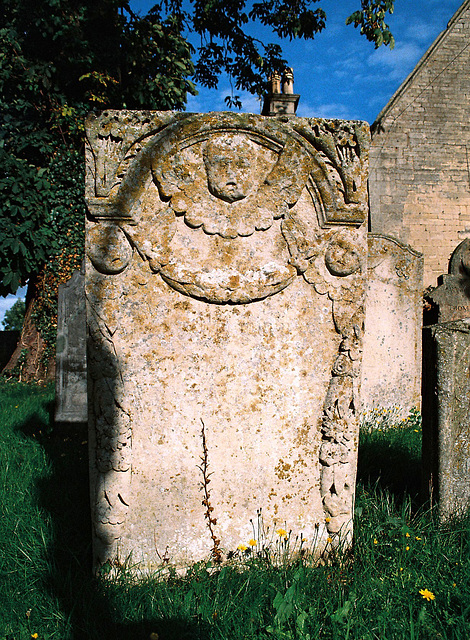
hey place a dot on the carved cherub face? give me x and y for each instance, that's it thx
(231, 166)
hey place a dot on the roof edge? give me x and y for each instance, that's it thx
(421, 63)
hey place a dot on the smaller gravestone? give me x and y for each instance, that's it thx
(446, 390)
(391, 369)
(8, 342)
(71, 374)
(452, 296)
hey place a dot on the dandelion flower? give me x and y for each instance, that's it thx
(327, 520)
(407, 534)
(427, 595)
(418, 538)
(282, 533)
(407, 548)
(401, 568)
(252, 542)
(242, 547)
(329, 539)
(375, 541)
(34, 635)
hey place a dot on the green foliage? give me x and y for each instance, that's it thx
(378, 590)
(372, 21)
(60, 58)
(13, 320)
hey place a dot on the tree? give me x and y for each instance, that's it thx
(14, 316)
(59, 59)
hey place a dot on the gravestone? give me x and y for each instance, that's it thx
(226, 260)
(71, 371)
(452, 296)
(391, 367)
(446, 391)
(8, 342)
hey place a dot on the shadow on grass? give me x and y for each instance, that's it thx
(392, 464)
(88, 603)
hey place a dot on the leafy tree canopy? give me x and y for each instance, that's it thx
(14, 316)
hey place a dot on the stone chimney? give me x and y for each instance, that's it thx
(281, 102)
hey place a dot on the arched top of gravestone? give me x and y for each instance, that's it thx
(192, 195)
(459, 264)
(329, 157)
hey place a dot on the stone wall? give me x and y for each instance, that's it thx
(420, 154)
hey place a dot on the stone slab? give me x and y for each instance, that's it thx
(391, 368)
(226, 258)
(446, 416)
(71, 369)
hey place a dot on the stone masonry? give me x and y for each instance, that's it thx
(420, 154)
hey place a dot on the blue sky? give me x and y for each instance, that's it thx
(339, 74)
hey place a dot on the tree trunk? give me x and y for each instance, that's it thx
(27, 362)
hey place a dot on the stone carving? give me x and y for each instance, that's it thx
(234, 210)
(452, 296)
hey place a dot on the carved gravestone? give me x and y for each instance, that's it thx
(446, 390)
(452, 296)
(391, 367)
(226, 257)
(71, 370)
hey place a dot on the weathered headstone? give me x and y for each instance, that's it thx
(8, 342)
(446, 390)
(225, 306)
(446, 416)
(71, 371)
(391, 367)
(452, 296)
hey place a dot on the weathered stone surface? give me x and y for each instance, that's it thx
(452, 296)
(446, 416)
(71, 369)
(225, 303)
(8, 342)
(391, 367)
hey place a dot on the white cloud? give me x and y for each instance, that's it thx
(396, 63)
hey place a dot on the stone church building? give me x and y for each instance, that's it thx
(420, 155)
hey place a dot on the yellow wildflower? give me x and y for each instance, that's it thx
(427, 595)
(375, 541)
(401, 568)
(327, 520)
(34, 635)
(407, 548)
(282, 533)
(252, 542)
(418, 538)
(407, 534)
(329, 539)
(242, 547)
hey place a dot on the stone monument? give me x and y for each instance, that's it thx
(446, 390)
(226, 259)
(391, 368)
(71, 369)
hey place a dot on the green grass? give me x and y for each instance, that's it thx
(369, 593)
